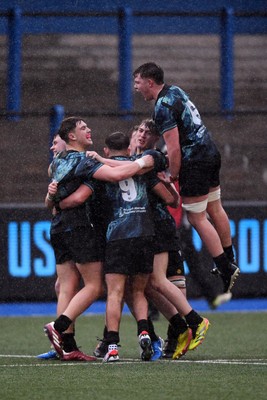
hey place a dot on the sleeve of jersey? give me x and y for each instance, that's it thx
(86, 169)
(151, 179)
(90, 183)
(166, 115)
(160, 160)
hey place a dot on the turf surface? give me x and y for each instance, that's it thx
(230, 364)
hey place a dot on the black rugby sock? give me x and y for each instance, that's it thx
(193, 319)
(229, 253)
(142, 325)
(62, 323)
(178, 324)
(151, 330)
(69, 343)
(112, 337)
(222, 262)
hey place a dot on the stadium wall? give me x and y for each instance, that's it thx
(27, 264)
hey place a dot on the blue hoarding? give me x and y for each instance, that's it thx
(28, 265)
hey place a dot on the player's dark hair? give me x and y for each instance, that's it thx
(55, 135)
(150, 124)
(117, 141)
(150, 70)
(133, 130)
(68, 125)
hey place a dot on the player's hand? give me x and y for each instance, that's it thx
(52, 188)
(164, 176)
(94, 155)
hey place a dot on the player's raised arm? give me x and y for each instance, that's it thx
(116, 174)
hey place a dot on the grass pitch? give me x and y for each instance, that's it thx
(230, 364)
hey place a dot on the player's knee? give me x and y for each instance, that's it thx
(155, 283)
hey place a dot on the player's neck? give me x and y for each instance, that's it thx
(157, 90)
(118, 153)
(77, 147)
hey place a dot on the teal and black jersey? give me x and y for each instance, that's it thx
(161, 216)
(173, 108)
(86, 169)
(160, 159)
(63, 169)
(64, 163)
(99, 208)
(130, 213)
(164, 223)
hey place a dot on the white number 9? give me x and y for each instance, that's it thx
(128, 189)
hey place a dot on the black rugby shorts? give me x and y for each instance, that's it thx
(129, 256)
(78, 245)
(196, 178)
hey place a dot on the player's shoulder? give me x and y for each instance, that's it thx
(173, 95)
(160, 159)
(86, 165)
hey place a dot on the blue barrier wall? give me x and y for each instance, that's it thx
(27, 263)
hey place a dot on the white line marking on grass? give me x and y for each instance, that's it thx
(49, 365)
(15, 356)
(233, 362)
(123, 361)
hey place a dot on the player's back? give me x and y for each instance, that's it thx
(130, 213)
